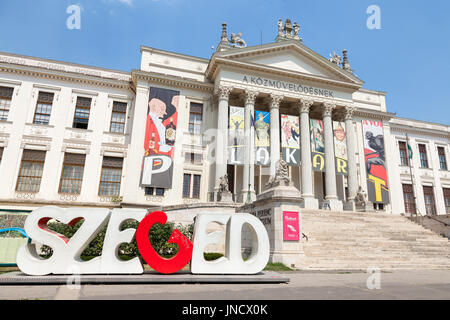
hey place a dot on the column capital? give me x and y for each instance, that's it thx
(304, 105)
(250, 96)
(275, 100)
(327, 108)
(349, 111)
(223, 92)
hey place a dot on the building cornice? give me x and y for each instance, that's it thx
(174, 54)
(31, 71)
(395, 127)
(376, 115)
(169, 80)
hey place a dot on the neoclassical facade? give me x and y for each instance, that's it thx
(75, 135)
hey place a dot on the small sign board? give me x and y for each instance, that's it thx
(291, 226)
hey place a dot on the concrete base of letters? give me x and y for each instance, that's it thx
(148, 277)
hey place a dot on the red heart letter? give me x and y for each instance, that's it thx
(150, 256)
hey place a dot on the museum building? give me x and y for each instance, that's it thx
(182, 133)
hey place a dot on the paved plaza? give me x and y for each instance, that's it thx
(330, 285)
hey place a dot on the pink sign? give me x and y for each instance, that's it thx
(291, 226)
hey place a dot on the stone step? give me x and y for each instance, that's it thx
(349, 240)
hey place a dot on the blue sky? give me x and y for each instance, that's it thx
(409, 57)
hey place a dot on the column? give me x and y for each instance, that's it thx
(309, 202)
(274, 131)
(352, 180)
(223, 94)
(330, 167)
(248, 190)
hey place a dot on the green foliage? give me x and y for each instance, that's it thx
(278, 266)
(209, 256)
(158, 236)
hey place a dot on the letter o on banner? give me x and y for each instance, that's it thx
(153, 259)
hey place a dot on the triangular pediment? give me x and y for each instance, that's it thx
(291, 56)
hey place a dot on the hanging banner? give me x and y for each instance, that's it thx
(159, 142)
(374, 154)
(236, 136)
(262, 138)
(290, 139)
(340, 147)
(317, 145)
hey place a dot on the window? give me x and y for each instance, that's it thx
(43, 108)
(118, 117)
(5, 102)
(1, 154)
(150, 191)
(111, 176)
(193, 158)
(408, 197)
(195, 118)
(72, 173)
(447, 200)
(423, 156)
(429, 200)
(82, 109)
(30, 173)
(195, 186)
(186, 185)
(442, 161)
(403, 153)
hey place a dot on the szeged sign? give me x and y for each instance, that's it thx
(295, 87)
(66, 252)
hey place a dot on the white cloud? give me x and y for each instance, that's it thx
(128, 2)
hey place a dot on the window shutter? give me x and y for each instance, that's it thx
(112, 162)
(6, 92)
(46, 97)
(119, 107)
(33, 155)
(74, 158)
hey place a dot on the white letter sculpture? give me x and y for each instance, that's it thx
(232, 263)
(111, 262)
(66, 252)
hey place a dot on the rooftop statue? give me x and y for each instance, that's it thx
(236, 40)
(335, 58)
(288, 31)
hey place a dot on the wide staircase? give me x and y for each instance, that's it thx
(356, 241)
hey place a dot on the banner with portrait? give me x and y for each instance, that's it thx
(340, 147)
(290, 139)
(375, 160)
(236, 136)
(317, 145)
(159, 141)
(262, 138)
